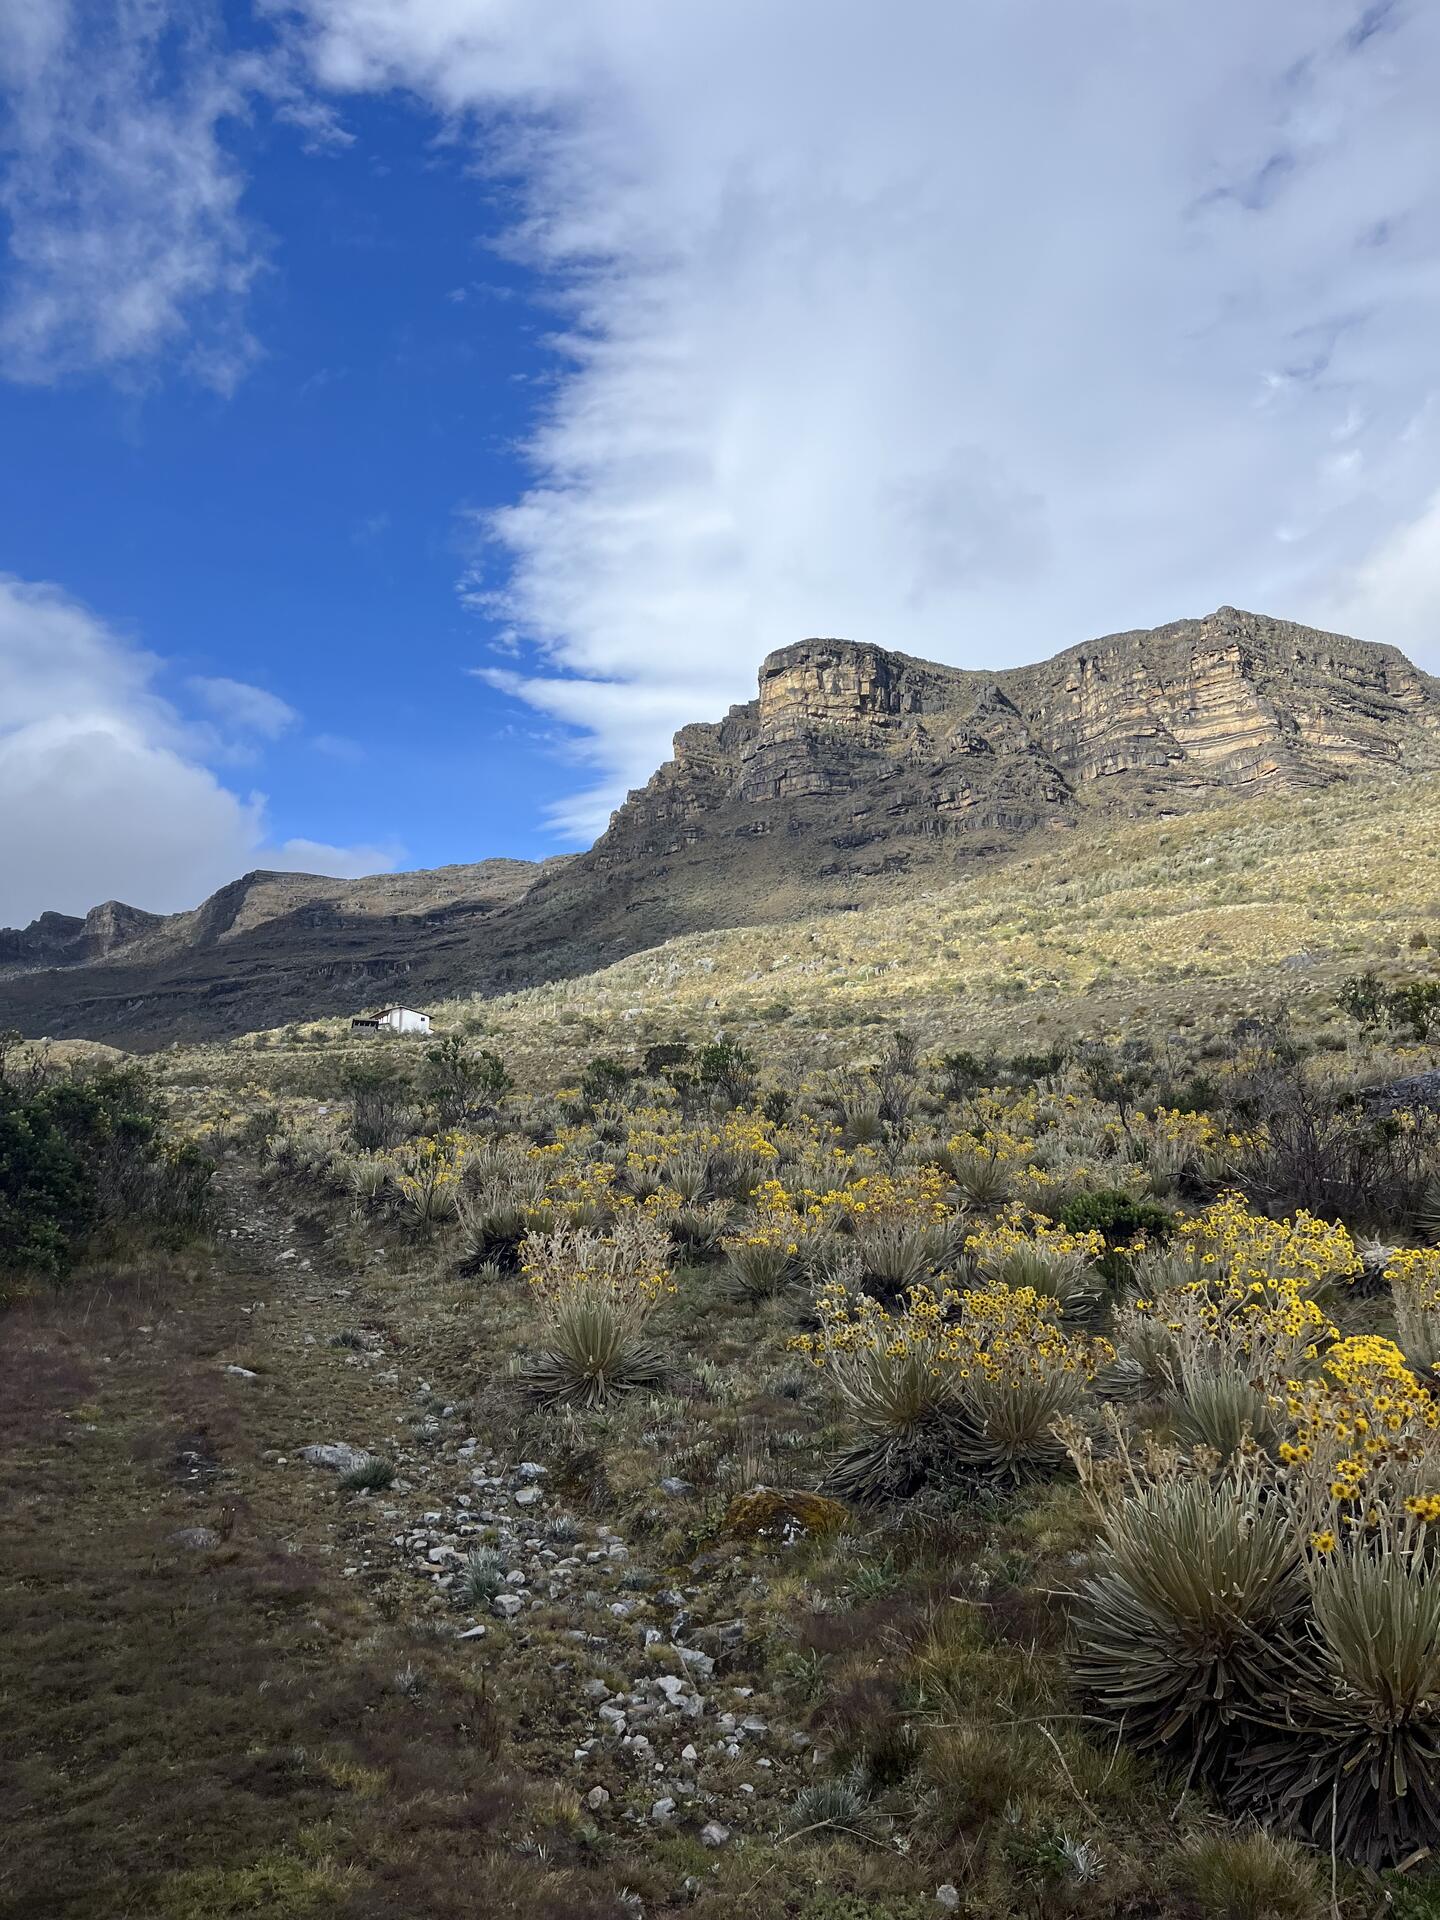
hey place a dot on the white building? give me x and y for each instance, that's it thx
(396, 1019)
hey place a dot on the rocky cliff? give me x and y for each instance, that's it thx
(854, 768)
(870, 746)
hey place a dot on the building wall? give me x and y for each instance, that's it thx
(401, 1020)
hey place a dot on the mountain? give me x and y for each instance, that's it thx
(855, 769)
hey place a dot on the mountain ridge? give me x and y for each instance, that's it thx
(855, 767)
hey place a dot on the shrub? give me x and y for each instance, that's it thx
(82, 1153)
(379, 1099)
(971, 1380)
(1118, 1215)
(604, 1079)
(370, 1474)
(724, 1067)
(1251, 1876)
(1411, 1006)
(1356, 1748)
(464, 1082)
(595, 1294)
(1198, 1595)
(481, 1576)
(761, 1264)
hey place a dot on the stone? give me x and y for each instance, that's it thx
(195, 1539)
(662, 1811)
(242, 1373)
(527, 1496)
(338, 1455)
(596, 1798)
(474, 1633)
(767, 1513)
(507, 1605)
(713, 1834)
(675, 1486)
(948, 1897)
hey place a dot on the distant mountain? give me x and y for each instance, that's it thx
(855, 769)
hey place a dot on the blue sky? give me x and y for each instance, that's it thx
(415, 409)
(304, 532)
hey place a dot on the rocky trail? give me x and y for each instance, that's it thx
(456, 1678)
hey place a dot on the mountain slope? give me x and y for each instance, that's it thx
(855, 772)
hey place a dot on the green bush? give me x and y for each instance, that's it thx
(83, 1152)
(1118, 1215)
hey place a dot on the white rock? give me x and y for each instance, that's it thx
(338, 1455)
(714, 1835)
(948, 1897)
(507, 1605)
(663, 1811)
(596, 1798)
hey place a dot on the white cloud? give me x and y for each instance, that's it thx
(125, 229)
(1395, 592)
(338, 746)
(341, 863)
(101, 787)
(251, 709)
(969, 329)
(618, 724)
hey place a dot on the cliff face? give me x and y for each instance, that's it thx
(853, 768)
(865, 744)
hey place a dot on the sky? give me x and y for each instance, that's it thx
(412, 411)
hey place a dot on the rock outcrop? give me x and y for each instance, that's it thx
(871, 746)
(855, 767)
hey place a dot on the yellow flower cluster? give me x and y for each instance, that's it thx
(1000, 1128)
(1366, 1412)
(1246, 1256)
(628, 1266)
(1425, 1507)
(1415, 1272)
(427, 1171)
(1003, 1334)
(912, 1193)
(1019, 1230)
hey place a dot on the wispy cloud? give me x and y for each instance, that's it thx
(249, 709)
(338, 746)
(126, 233)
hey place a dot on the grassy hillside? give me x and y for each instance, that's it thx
(1187, 924)
(930, 1410)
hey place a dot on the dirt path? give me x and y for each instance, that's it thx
(230, 1686)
